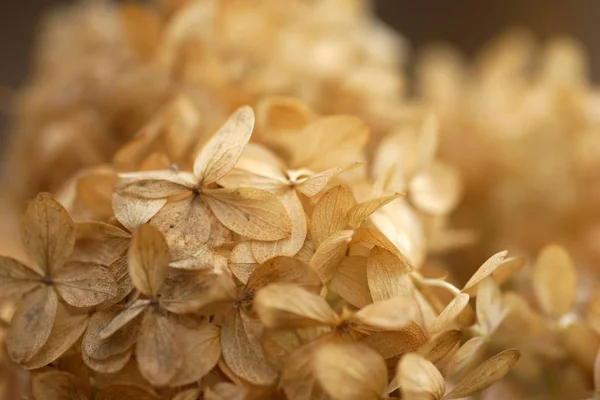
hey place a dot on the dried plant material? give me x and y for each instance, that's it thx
(484, 375)
(441, 345)
(58, 385)
(330, 213)
(486, 269)
(148, 259)
(158, 356)
(388, 276)
(555, 281)
(350, 371)
(351, 281)
(419, 378)
(360, 212)
(436, 189)
(330, 253)
(451, 312)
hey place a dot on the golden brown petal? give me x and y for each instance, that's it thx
(316, 183)
(124, 392)
(486, 269)
(222, 151)
(388, 275)
(16, 279)
(350, 371)
(148, 259)
(100, 243)
(330, 213)
(58, 385)
(85, 285)
(330, 253)
(242, 350)
(97, 348)
(282, 305)
(48, 232)
(31, 324)
(284, 270)
(350, 281)
(450, 313)
(133, 212)
(253, 213)
(157, 351)
(484, 375)
(360, 212)
(419, 378)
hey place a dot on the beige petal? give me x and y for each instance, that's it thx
(350, 281)
(242, 262)
(372, 237)
(289, 246)
(278, 114)
(124, 317)
(336, 138)
(360, 212)
(242, 350)
(298, 378)
(124, 392)
(441, 345)
(394, 343)
(67, 329)
(390, 314)
(349, 371)
(185, 224)
(486, 269)
(155, 184)
(419, 378)
(195, 394)
(183, 289)
(450, 313)
(490, 311)
(202, 346)
(254, 178)
(48, 232)
(436, 189)
(388, 275)
(100, 243)
(133, 212)
(253, 213)
(58, 385)
(284, 270)
(148, 259)
(465, 355)
(122, 340)
(120, 271)
(282, 305)
(484, 375)
(330, 213)
(555, 281)
(158, 355)
(85, 285)
(508, 269)
(330, 253)
(220, 154)
(31, 324)
(316, 183)
(110, 365)
(16, 279)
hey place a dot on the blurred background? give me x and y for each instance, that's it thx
(466, 24)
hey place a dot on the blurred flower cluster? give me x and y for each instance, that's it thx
(240, 200)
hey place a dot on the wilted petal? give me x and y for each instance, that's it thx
(31, 324)
(202, 346)
(59, 385)
(451, 312)
(185, 224)
(348, 371)
(158, 355)
(16, 279)
(389, 314)
(220, 154)
(48, 232)
(350, 281)
(124, 392)
(419, 378)
(265, 250)
(313, 185)
(330, 253)
(486, 269)
(242, 350)
(360, 212)
(330, 213)
(282, 305)
(436, 189)
(67, 329)
(148, 259)
(124, 317)
(85, 285)
(133, 211)
(253, 213)
(388, 275)
(484, 375)
(122, 340)
(100, 243)
(441, 345)
(284, 270)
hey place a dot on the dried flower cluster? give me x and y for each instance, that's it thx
(245, 206)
